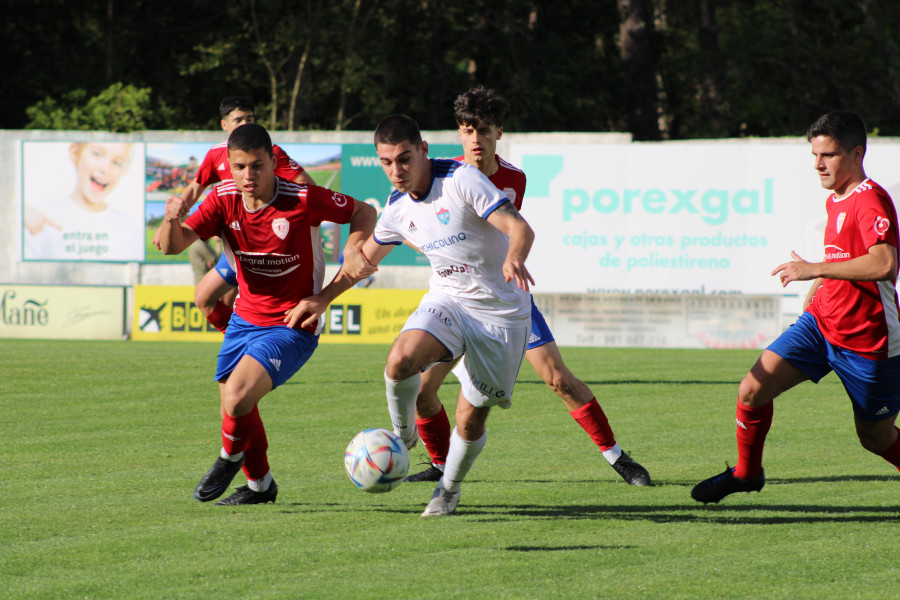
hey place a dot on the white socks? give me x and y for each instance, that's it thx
(401, 401)
(260, 485)
(460, 459)
(231, 457)
(613, 454)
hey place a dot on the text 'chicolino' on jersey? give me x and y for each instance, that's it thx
(278, 259)
(215, 166)
(448, 224)
(861, 316)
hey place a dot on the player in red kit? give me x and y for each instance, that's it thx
(850, 324)
(265, 222)
(215, 293)
(479, 115)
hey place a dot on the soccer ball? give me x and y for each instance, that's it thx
(376, 460)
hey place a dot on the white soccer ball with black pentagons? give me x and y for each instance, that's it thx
(376, 460)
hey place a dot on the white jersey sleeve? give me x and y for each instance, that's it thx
(449, 225)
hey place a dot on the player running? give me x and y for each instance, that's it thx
(477, 305)
(850, 324)
(216, 291)
(265, 222)
(479, 114)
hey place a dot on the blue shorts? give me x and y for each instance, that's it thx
(873, 385)
(540, 332)
(280, 350)
(225, 271)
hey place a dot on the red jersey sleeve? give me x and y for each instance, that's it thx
(874, 221)
(285, 166)
(209, 218)
(211, 168)
(328, 205)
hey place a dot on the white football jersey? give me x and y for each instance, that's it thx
(449, 226)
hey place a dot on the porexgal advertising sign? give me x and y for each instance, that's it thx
(670, 218)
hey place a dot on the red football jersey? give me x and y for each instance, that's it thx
(509, 179)
(215, 167)
(861, 316)
(278, 260)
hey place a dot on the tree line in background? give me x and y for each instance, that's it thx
(660, 69)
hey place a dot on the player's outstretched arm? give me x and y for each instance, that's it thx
(174, 236)
(880, 264)
(508, 220)
(361, 257)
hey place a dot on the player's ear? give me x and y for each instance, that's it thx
(499, 132)
(424, 148)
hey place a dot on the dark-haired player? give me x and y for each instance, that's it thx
(850, 324)
(479, 114)
(215, 292)
(265, 222)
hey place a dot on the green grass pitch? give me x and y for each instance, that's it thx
(103, 444)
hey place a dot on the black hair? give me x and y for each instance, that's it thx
(843, 126)
(479, 107)
(251, 136)
(397, 129)
(232, 103)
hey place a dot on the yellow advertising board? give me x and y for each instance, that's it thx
(168, 313)
(359, 316)
(369, 316)
(70, 312)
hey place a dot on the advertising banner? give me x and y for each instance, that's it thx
(676, 217)
(359, 316)
(168, 313)
(369, 316)
(666, 321)
(62, 312)
(82, 201)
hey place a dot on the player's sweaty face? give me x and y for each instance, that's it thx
(406, 166)
(253, 172)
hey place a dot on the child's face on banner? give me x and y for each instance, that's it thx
(99, 167)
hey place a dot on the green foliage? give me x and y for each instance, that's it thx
(118, 108)
(108, 439)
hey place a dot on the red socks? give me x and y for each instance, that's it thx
(435, 434)
(892, 454)
(593, 420)
(752, 427)
(246, 434)
(220, 316)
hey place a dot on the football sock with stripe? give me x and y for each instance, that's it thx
(752, 427)
(237, 431)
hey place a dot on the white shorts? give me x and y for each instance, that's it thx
(493, 354)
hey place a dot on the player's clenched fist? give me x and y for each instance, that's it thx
(176, 208)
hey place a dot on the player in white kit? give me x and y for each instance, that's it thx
(478, 305)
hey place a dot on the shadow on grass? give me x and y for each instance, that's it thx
(602, 382)
(565, 548)
(735, 514)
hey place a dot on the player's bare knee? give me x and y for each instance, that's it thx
(401, 365)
